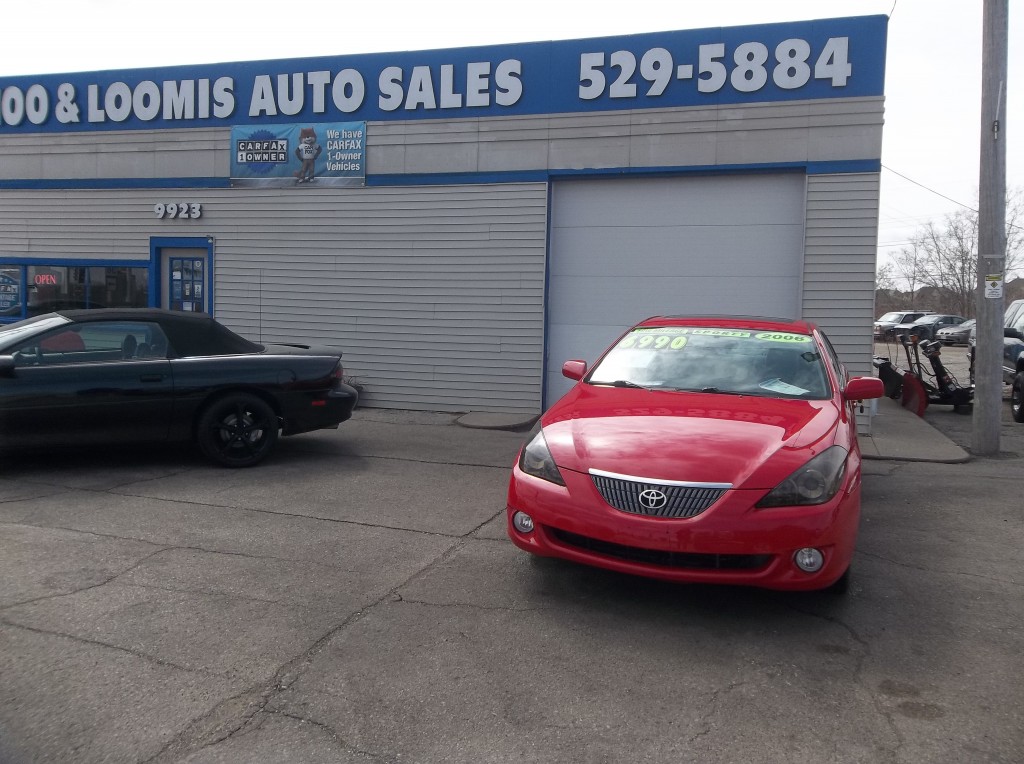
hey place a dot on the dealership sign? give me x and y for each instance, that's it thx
(829, 58)
(329, 154)
(10, 293)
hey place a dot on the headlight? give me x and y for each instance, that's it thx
(536, 460)
(814, 483)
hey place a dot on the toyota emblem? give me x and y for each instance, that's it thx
(652, 498)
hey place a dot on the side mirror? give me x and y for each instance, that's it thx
(7, 365)
(574, 369)
(1014, 333)
(863, 388)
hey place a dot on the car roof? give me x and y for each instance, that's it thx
(766, 323)
(135, 314)
(190, 334)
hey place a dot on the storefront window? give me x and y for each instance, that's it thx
(71, 287)
(118, 287)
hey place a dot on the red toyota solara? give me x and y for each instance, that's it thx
(700, 449)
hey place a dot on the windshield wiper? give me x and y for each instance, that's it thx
(723, 392)
(621, 383)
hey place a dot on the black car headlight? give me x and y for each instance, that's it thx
(536, 460)
(814, 483)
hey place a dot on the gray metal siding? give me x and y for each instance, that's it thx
(434, 294)
(839, 275)
(841, 236)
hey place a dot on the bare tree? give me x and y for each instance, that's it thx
(908, 265)
(944, 256)
(950, 259)
(885, 279)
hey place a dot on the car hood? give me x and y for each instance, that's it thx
(748, 441)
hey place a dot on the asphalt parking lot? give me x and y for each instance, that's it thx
(355, 599)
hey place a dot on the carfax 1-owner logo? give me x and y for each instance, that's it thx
(329, 154)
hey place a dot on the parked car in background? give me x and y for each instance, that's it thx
(1013, 356)
(957, 334)
(700, 449)
(883, 327)
(87, 377)
(926, 326)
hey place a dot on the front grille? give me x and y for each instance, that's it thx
(688, 560)
(680, 500)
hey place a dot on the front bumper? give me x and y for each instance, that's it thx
(729, 543)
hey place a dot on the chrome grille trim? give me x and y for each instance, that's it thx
(659, 481)
(682, 499)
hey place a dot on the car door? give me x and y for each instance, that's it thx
(91, 382)
(1013, 348)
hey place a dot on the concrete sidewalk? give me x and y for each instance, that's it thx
(900, 435)
(896, 434)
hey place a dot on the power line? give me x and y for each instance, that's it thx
(932, 190)
(947, 198)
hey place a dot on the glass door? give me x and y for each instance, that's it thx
(185, 280)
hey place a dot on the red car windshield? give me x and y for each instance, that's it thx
(703, 359)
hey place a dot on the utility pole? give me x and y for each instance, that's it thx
(988, 377)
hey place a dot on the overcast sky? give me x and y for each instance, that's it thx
(933, 71)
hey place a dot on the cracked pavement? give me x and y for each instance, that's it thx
(355, 599)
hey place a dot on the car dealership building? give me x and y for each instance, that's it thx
(459, 222)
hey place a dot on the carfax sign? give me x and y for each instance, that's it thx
(10, 293)
(328, 154)
(829, 58)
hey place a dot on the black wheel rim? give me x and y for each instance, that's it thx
(1015, 396)
(240, 433)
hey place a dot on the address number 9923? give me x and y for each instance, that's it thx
(180, 210)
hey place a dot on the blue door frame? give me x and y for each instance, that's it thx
(157, 245)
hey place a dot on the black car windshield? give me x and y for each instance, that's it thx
(12, 334)
(716, 360)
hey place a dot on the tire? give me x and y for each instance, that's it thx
(237, 430)
(1016, 394)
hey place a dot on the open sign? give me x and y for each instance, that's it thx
(46, 279)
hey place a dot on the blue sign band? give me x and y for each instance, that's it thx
(829, 58)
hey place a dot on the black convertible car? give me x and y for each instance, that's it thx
(81, 377)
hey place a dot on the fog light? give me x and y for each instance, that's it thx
(522, 522)
(809, 560)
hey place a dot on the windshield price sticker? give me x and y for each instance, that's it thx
(775, 337)
(747, 68)
(648, 340)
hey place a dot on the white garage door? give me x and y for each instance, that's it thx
(623, 250)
